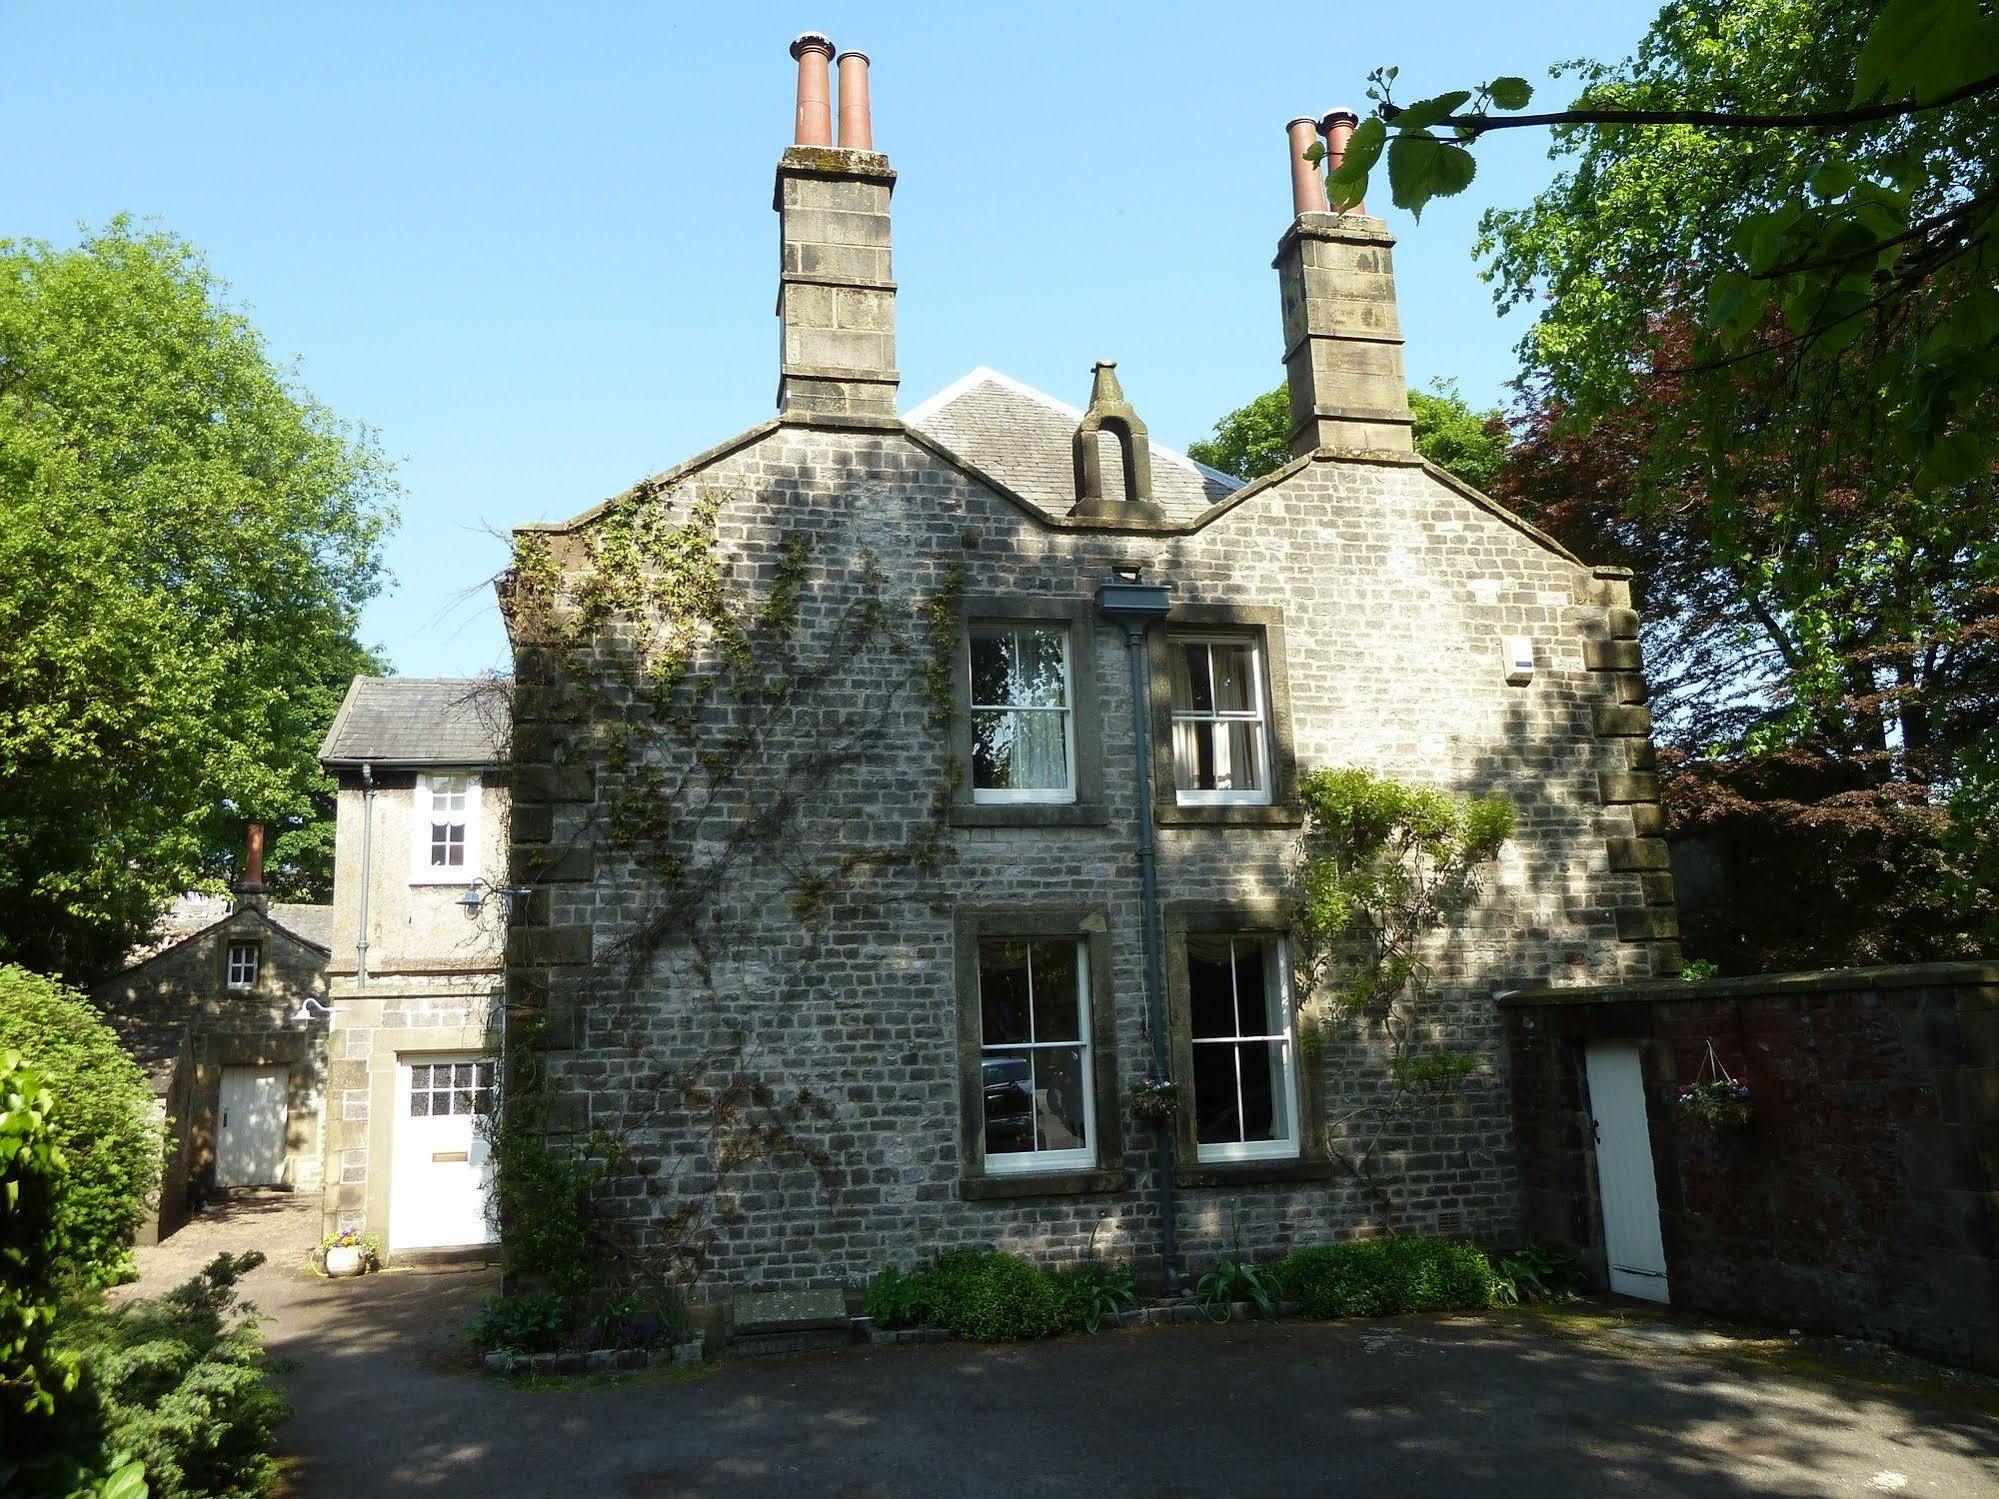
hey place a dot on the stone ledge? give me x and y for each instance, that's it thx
(1028, 815)
(1173, 815)
(1253, 1173)
(1809, 981)
(1055, 1184)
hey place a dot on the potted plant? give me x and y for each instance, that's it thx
(351, 1253)
(1155, 1099)
(1714, 1098)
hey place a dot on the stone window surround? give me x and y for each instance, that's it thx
(1267, 625)
(1092, 924)
(1086, 719)
(1258, 917)
(230, 942)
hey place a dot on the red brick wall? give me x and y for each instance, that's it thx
(1863, 1195)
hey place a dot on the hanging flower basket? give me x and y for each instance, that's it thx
(1714, 1098)
(1155, 1099)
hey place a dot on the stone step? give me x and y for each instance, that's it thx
(789, 1311)
(806, 1340)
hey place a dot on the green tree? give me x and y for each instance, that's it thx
(185, 540)
(106, 1129)
(1253, 440)
(1763, 290)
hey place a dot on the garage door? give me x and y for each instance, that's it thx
(442, 1171)
(250, 1135)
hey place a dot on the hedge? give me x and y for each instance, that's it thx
(1386, 1277)
(106, 1128)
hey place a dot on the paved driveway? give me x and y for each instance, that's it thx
(1410, 1407)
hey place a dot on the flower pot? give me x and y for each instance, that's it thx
(344, 1260)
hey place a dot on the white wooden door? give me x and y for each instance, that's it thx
(442, 1175)
(250, 1132)
(1624, 1170)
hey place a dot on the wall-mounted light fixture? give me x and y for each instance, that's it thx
(303, 1014)
(473, 901)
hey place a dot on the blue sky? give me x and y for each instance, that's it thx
(532, 245)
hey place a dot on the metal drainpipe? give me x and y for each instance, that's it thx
(367, 848)
(1135, 605)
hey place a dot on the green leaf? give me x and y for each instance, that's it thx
(1427, 112)
(129, 1482)
(1833, 179)
(1421, 167)
(1924, 49)
(1347, 186)
(1510, 93)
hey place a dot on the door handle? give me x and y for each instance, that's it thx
(225, 1119)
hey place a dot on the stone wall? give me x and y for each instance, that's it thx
(1395, 592)
(186, 986)
(1862, 1197)
(432, 973)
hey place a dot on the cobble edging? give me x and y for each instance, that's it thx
(599, 1360)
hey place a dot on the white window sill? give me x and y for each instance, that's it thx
(1041, 1162)
(1261, 1150)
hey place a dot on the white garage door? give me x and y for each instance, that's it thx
(250, 1139)
(442, 1173)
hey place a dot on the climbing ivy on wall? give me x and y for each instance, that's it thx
(719, 702)
(1386, 877)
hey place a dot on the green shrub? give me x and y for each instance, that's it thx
(39, 1411)
(1386, 1278)
(986, 1296)
(1094, 1293)
(106, 1127)
(181, 1385)
(1536, 1272)
(524, 1322)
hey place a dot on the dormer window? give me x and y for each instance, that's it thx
(447, 829)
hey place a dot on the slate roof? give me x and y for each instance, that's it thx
(313, 923)
(419, 721)
(1024, 438)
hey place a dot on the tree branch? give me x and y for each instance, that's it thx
(1720, 119)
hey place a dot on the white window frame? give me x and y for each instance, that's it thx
(1045, 795)
(1038, 1162)
(1253, 1150)
(1258, 714)
(242, 985)
(422, 871)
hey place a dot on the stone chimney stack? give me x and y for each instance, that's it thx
(1342, 335)
(836, 295)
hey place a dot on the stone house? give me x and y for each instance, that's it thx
(417, 929)
(894, 791)
(212, 1013)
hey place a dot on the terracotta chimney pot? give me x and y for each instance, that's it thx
(1338, 128)
(253, 857)
(815, 90)
(1308, 188)
(857, 128)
